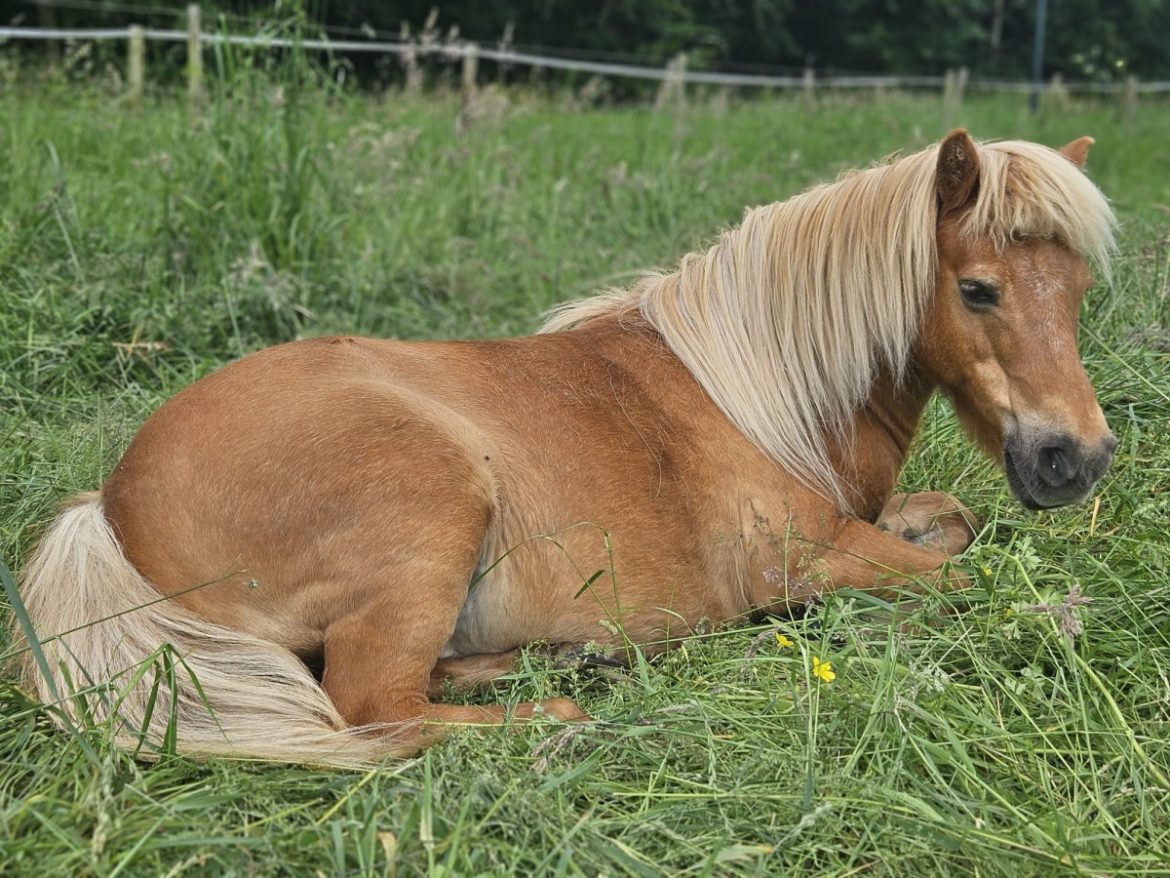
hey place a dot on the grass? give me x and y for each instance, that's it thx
(141, 249)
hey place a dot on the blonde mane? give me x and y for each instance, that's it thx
(787, 320)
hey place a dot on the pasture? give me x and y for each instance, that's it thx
(142, 248)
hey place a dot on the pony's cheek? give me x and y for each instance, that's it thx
(993, 388)
(954, 353)
(981, 397)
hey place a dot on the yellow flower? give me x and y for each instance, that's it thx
(824, 670)
(785, 642)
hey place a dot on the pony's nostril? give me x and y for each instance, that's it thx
(1110, 444)
(1056, 467)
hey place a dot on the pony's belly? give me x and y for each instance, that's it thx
(487, 621)
(515, 604)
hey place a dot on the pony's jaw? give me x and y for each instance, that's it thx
(1047, 469)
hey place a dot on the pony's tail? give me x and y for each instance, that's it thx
(111, 649)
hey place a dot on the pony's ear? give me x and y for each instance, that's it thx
(1077, 151)
(958, 170)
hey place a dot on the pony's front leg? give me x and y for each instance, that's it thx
(865, 557)
(933, 519)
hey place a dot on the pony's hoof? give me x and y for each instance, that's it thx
(563, 709)
(931, 519)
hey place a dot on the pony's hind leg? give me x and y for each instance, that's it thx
(932, 519)
(381, 659)
(467, 672)
(407, 556)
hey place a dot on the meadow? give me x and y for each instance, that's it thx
(143, 247)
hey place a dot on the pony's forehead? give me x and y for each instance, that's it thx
(1039, 261)
(1031, 191)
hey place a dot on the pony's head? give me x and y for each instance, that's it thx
(999, 335)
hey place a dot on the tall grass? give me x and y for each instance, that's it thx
(141, 249)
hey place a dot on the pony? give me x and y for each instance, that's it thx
(309, 544)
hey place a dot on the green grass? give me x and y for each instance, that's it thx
(141, 249)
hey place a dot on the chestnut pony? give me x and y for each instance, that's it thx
(713, 440)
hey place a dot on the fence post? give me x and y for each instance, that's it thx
(948, 100)
(409, 57)
(470, 69)
(136, 63)
(664, 87)
(674, 84)
(1057, 95)
(1129, 99)
(810, 85)
(194, 55)
(954, 84)
(47, 18)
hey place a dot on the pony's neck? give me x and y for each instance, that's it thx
(869, 460)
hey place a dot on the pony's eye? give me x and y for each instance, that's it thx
(979, 295)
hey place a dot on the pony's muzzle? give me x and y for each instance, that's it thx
(1055, 469)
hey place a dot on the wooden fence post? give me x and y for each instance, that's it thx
(194, 55)
(954, 85)
(1129, 99)
(470, 69)
(680, 79)
(809, 87)
(948, 101)
(409, 57)
(136, 63)
(47, 18)
(1057, 95)
(674, 84)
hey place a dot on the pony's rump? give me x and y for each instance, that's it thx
(105, 631)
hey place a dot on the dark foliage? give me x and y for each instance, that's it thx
(1087, 39)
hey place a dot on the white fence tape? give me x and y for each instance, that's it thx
(600, 68)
